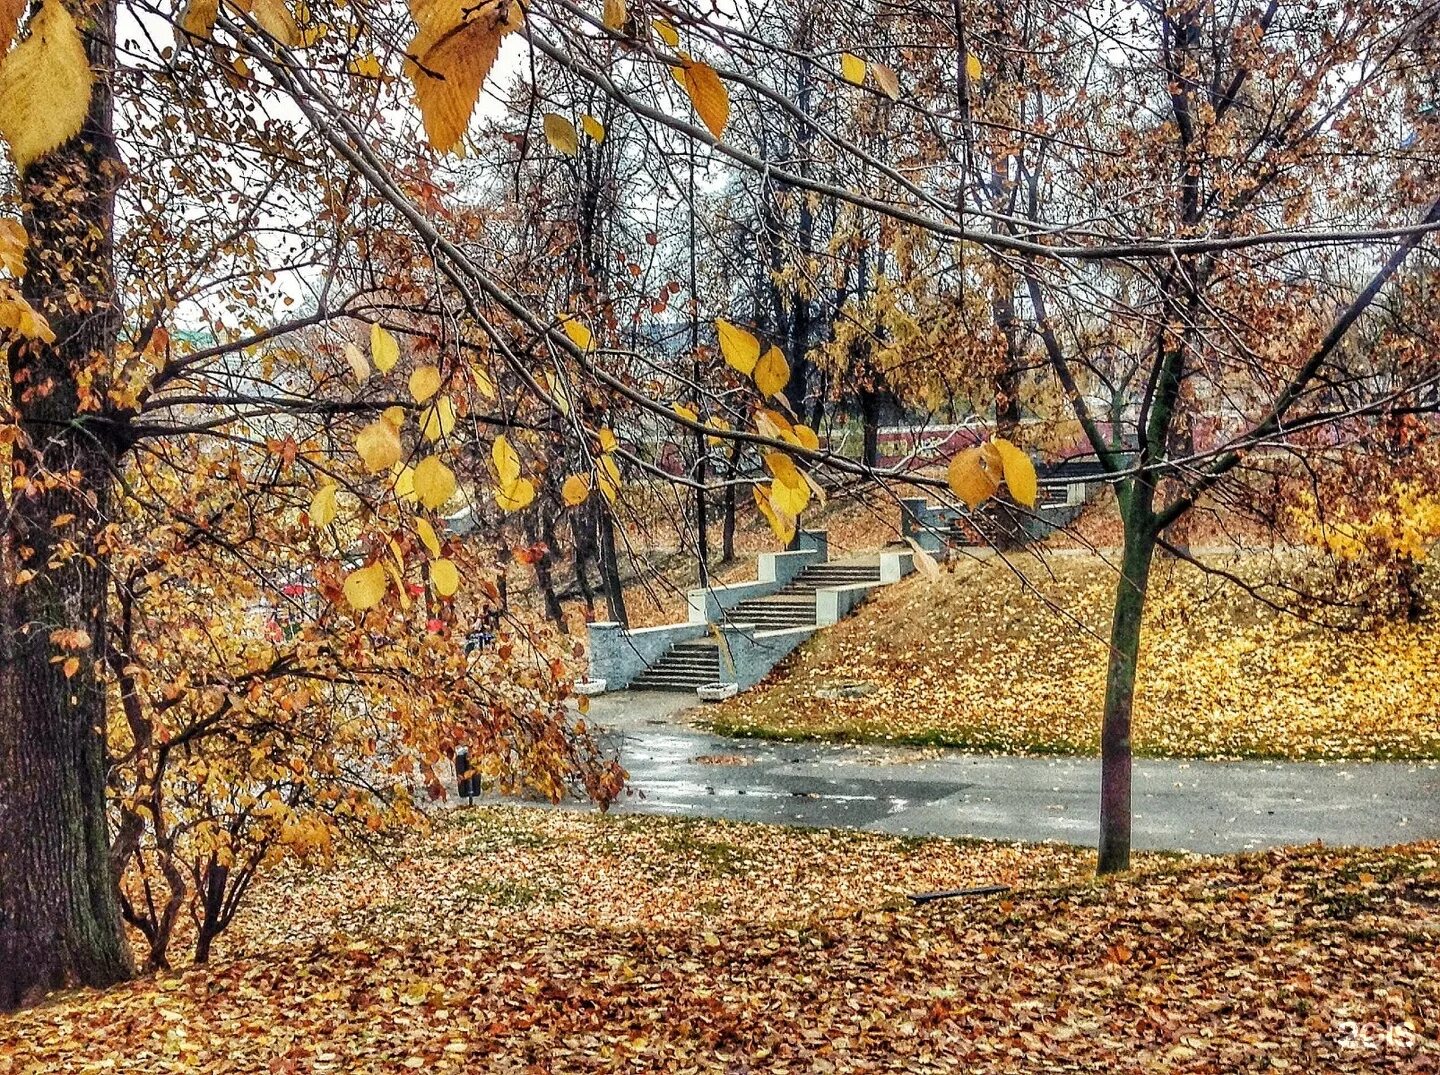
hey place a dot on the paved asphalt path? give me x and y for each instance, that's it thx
(1179, 805)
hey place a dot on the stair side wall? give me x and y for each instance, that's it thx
(617, 656)
(753, 653)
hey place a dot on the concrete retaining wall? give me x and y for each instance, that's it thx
(774, 571)
(752, 653)
(617, 656)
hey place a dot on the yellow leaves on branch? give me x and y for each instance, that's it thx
(13, 243)
(740, 348)
(513, 492)
(454, 47)
(782, 524)
(424, 383)
(772, 373)
(789, 492)
(322, 507)
(852, 68)
(45, 85)
(428, 537)
(1020, 477)
(434, 482)
(706, 92)
(384, 351)
(379, 446)
(438, 419)
(577, 332)
(560, 133)
(445, 577)
(365, 587)
(975, 474)
(973, 67)
(575, 490)
(593, 128)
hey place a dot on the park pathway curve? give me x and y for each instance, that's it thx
(1202, 806)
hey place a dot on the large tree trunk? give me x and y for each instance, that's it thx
(59, 906)
(1115, 752)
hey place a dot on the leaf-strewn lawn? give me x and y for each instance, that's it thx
(980, 661)
(530, 941)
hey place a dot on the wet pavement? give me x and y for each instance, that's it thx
(677, 768)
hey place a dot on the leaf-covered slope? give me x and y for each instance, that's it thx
(978, 659)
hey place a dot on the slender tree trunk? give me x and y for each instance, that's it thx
(610, 570)
(870, 427)
(59, 902)
(1115, 752)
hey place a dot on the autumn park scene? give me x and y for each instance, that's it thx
(549, 536)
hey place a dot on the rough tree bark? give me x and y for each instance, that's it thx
(59, 906)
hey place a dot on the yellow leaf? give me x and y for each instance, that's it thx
(197, 20)
(685, 412)
(808, 438)
(274, 18)
(515, 495)
(852, 68)
(506, 460)
(428, 536)
(367, 66)
(608, 443)
(13, 244)
(454, 47)
(593, 127)
(770, 423)
(972, 65)
(71, 666)
(483, 382)
(1019, 471)
(438, 419)
(772, 373)
(394, 417)
(378, 445)
(579, 335)
(445, 577)
(560, 133)
(575, 490)
(970, 478)
(782, 525)
(615, 14)
(322, 507)
(609, 479)
(887, 80)
(45, 85)
(384, 351)
(404, 483)
(789, 492)
(359, 364)
(668, 33)
(708, 94)
(424, 383)
(740, 348)
(365, 588)
(434, 482)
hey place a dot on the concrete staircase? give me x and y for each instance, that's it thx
(688, 665)
(735, 632)
(684, 667)
(794, 605)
